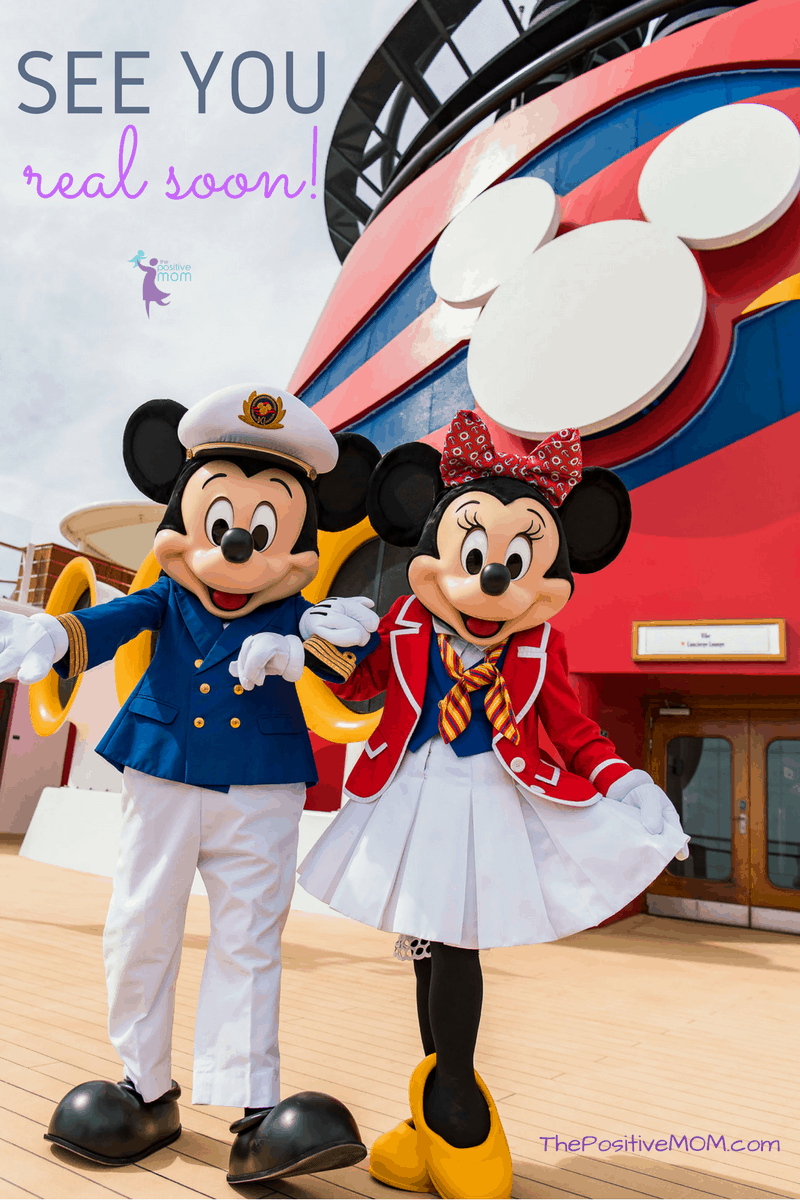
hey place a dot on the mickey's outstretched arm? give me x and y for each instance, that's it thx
(76, 642)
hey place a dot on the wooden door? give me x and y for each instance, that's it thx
(734, 776)
(774, 815)
(701, 762)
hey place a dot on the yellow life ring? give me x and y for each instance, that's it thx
(132, 660)
(48, 709)
(324, 713)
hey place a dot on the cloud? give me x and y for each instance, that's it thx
(80, 353)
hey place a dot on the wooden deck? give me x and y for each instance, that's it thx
(647, 1028)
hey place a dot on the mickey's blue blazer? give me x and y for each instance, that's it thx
(189, 719)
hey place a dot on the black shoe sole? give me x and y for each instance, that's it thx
(103, 1159)
(321, 1160)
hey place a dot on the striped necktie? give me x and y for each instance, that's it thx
(455, 710)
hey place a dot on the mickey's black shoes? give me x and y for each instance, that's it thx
(111, 1124)
(305, 1133)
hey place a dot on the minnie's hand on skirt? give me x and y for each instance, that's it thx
(637, 790)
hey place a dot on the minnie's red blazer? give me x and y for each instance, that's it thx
(535, 671)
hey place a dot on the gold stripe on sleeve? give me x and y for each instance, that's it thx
(78, 648)
(341, 662)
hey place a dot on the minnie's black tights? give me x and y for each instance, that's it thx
(449, 998)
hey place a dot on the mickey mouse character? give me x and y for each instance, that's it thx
(216, 758)
(460, 833)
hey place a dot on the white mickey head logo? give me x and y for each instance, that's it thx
(584, 330)
(483, 245)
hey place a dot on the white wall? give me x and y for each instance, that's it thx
(31, 763)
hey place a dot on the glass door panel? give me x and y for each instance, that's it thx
(699, 779)
(783, 813)
(775, 812)
(701, 762)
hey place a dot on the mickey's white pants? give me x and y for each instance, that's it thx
(245, 845)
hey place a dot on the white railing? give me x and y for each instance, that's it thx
(23, 578)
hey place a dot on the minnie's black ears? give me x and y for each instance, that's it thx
(407, 483)
(151, 450)
(342, 492)
(596, 517)
(403, 492)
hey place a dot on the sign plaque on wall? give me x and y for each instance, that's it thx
(697, 641)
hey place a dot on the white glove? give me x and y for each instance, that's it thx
(342, 622)
(265, 654)
(637, 790)
(29, 646)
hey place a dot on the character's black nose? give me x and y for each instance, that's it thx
(237, 546)
(494, 579)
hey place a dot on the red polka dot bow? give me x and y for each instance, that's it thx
(554, 467)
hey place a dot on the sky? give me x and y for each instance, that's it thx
(78, 353)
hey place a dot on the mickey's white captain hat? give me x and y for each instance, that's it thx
(258, 418)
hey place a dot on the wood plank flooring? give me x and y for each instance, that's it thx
(642, 1030)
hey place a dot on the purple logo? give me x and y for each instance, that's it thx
(151, 293)
(156, 271)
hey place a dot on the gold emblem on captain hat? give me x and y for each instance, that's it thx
(263, 411)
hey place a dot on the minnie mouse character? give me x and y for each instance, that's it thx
(460, 833)
(216, 758)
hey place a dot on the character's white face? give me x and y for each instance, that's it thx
(265, 512)
(586, 329)
(477, 531)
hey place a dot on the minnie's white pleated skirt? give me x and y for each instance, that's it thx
(454, 851)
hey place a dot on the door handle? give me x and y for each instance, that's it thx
(742, 816)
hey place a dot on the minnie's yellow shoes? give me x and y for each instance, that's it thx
(396, 1158)
(478, 1173)
(415, 1159)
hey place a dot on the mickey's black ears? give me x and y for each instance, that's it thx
(342, 492)
(151, 450)
(403, 492)
(596, 516)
